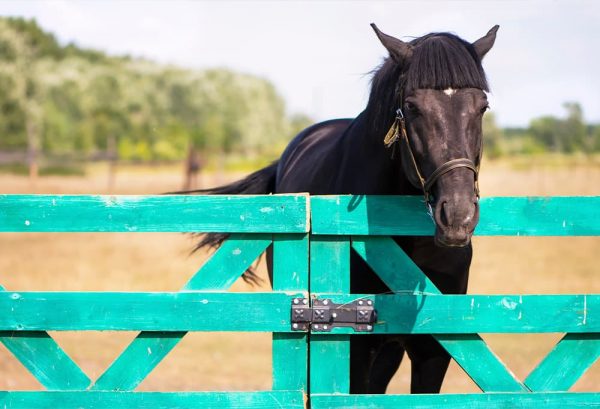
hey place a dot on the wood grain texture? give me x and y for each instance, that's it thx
(329, 354)
(480, 363)
(566, 363)
(152, 400)
(459, 401)
(44, 359)
(226, 265)
(290, 273)
(486, 361)
(149, 348)
(500, 216)
(164, 311)
(464, 314)
(167, 213)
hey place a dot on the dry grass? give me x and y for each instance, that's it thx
(225, 361)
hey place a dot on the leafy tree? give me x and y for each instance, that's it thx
(492, 137)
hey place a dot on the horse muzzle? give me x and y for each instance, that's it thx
(456, 218)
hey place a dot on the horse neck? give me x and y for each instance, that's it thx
(367, 166)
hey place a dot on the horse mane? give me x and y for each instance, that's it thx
(439, 61)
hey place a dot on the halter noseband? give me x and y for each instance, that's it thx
(398, 131)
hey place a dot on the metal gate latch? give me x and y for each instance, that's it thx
(324, 315)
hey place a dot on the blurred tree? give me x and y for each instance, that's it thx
(574, 130)
(65, 100)
(24, 89)
(492, 137)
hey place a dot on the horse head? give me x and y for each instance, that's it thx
(439, 100)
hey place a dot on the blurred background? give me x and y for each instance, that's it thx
(147, 97)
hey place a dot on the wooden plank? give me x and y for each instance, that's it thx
(44, 359)
(566, 363)
(290, 262)
(330, 265)
(229, 262)
(290, 351)
(463, 314)
(393, 265)
(167, 213)
(152, 400)
(476, 349)
(156, 311)
(500, 216)
(473, 355)
(136, 362)
(149, 348)
(556, 400)
(329, 354)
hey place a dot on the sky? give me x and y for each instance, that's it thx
(319, 54)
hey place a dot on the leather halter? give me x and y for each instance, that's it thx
(398, 131)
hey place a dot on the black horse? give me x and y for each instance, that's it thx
(419, 134)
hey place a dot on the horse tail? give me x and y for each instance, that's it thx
(260, 182)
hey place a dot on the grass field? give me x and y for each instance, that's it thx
(225, 361)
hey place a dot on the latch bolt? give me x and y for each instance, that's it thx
(324, 315)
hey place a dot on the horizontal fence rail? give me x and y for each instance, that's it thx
(270, 312)
(500, 216)
(459, 401)
(168, 213)
(152, 400)
(469, 314)
(181, 311)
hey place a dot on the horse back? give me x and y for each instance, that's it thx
(311, 160)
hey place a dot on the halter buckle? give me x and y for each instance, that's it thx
(399, 114)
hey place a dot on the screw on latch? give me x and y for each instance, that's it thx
(363, 315)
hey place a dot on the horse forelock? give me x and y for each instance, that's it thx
(443, 60)
(439, 61)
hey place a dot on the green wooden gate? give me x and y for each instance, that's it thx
(364, 224)
(163, 318)
(337, 226)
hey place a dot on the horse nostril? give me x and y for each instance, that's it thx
(444, 219)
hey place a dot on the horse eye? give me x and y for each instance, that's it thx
(411, 108)
(485, 108)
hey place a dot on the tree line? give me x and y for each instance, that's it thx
(567, 134)
(66, 101)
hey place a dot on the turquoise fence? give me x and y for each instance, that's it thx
(309, 235)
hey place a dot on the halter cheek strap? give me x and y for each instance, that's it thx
(398, 131)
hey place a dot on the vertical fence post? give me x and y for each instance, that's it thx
(329, 354)
(290, 273)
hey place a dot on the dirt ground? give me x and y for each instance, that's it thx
(232, 361)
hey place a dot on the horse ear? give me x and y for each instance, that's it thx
(398, 49)
(485, 43)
